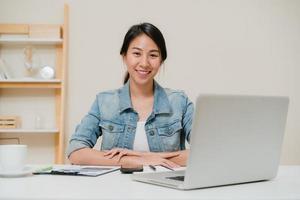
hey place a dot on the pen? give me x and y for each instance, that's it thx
(152, 167)
(167, 167)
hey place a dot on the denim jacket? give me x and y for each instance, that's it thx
(113, 117)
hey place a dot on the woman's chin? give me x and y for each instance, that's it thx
(143, 81)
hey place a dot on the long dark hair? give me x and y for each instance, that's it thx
(151, 31)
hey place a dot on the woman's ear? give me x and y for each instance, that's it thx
(124, 61)
(123, 58)
(161, 62)
(161, 67)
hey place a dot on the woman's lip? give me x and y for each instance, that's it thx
(143, 72)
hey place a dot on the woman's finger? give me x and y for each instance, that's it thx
(127, 152)
(165, 165)
(171, 164)
(107, 152)
(112, 153)
(121, 154)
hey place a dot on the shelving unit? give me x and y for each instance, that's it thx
(58, 84)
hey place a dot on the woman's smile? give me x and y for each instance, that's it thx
(143, 73)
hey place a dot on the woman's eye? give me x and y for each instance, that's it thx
(154, 55)
(136, 53)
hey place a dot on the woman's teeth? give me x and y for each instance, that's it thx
(143, 72)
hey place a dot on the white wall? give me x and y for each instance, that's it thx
(236, 47)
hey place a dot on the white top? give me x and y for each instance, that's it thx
(140, 140)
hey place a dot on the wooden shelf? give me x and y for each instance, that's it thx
(30, 83)
(29, 131)
(35, 41)
(55, 38)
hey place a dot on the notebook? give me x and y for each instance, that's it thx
(77, 170)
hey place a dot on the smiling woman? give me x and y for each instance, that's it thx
(142, 60)
(150, 38)
(141, 123)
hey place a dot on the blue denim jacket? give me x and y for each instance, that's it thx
(113, 117)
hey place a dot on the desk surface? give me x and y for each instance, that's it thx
(119, 186)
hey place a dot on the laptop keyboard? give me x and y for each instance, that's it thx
(177, 178)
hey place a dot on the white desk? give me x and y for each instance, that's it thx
(119, 186)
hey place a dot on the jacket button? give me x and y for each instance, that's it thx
(110, 127)
(169, 131)
(151, 133)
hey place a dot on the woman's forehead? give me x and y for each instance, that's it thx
(143, 42)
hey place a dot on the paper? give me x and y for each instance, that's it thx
(79, 170)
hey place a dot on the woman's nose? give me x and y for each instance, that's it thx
(144, 61)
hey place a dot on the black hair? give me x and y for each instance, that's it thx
(151, 31)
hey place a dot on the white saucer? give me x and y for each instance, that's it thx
(25, 172)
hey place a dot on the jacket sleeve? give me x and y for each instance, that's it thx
(87, 132)
(188, 119)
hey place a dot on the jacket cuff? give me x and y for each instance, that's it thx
(74, 146)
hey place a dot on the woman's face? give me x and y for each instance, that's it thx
(143, 60)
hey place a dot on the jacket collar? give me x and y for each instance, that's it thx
(161, 101)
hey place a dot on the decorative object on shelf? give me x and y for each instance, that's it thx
(38, 122)
(31, 61)
(9, 122)
(47, 72)
(28, 58)
(4, 73)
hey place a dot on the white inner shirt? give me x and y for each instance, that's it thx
(140, 140)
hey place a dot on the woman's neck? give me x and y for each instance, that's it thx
(142, 99)
(141, 91)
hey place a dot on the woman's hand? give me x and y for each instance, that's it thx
(143, 158)
(154, 159)
(119, 152)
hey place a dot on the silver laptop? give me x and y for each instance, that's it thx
(234, 139)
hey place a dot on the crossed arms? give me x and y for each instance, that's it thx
(119, 156)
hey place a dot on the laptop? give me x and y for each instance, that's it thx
(234, 139)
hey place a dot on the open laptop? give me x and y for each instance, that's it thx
(234, 139)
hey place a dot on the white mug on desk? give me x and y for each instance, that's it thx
(12, 157)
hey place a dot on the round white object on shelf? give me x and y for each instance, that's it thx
(47, 72)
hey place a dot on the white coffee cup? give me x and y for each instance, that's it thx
(12, 157)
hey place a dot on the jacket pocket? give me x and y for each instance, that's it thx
(170, 136)
(111, 132)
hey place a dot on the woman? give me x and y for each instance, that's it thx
(140, 123)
